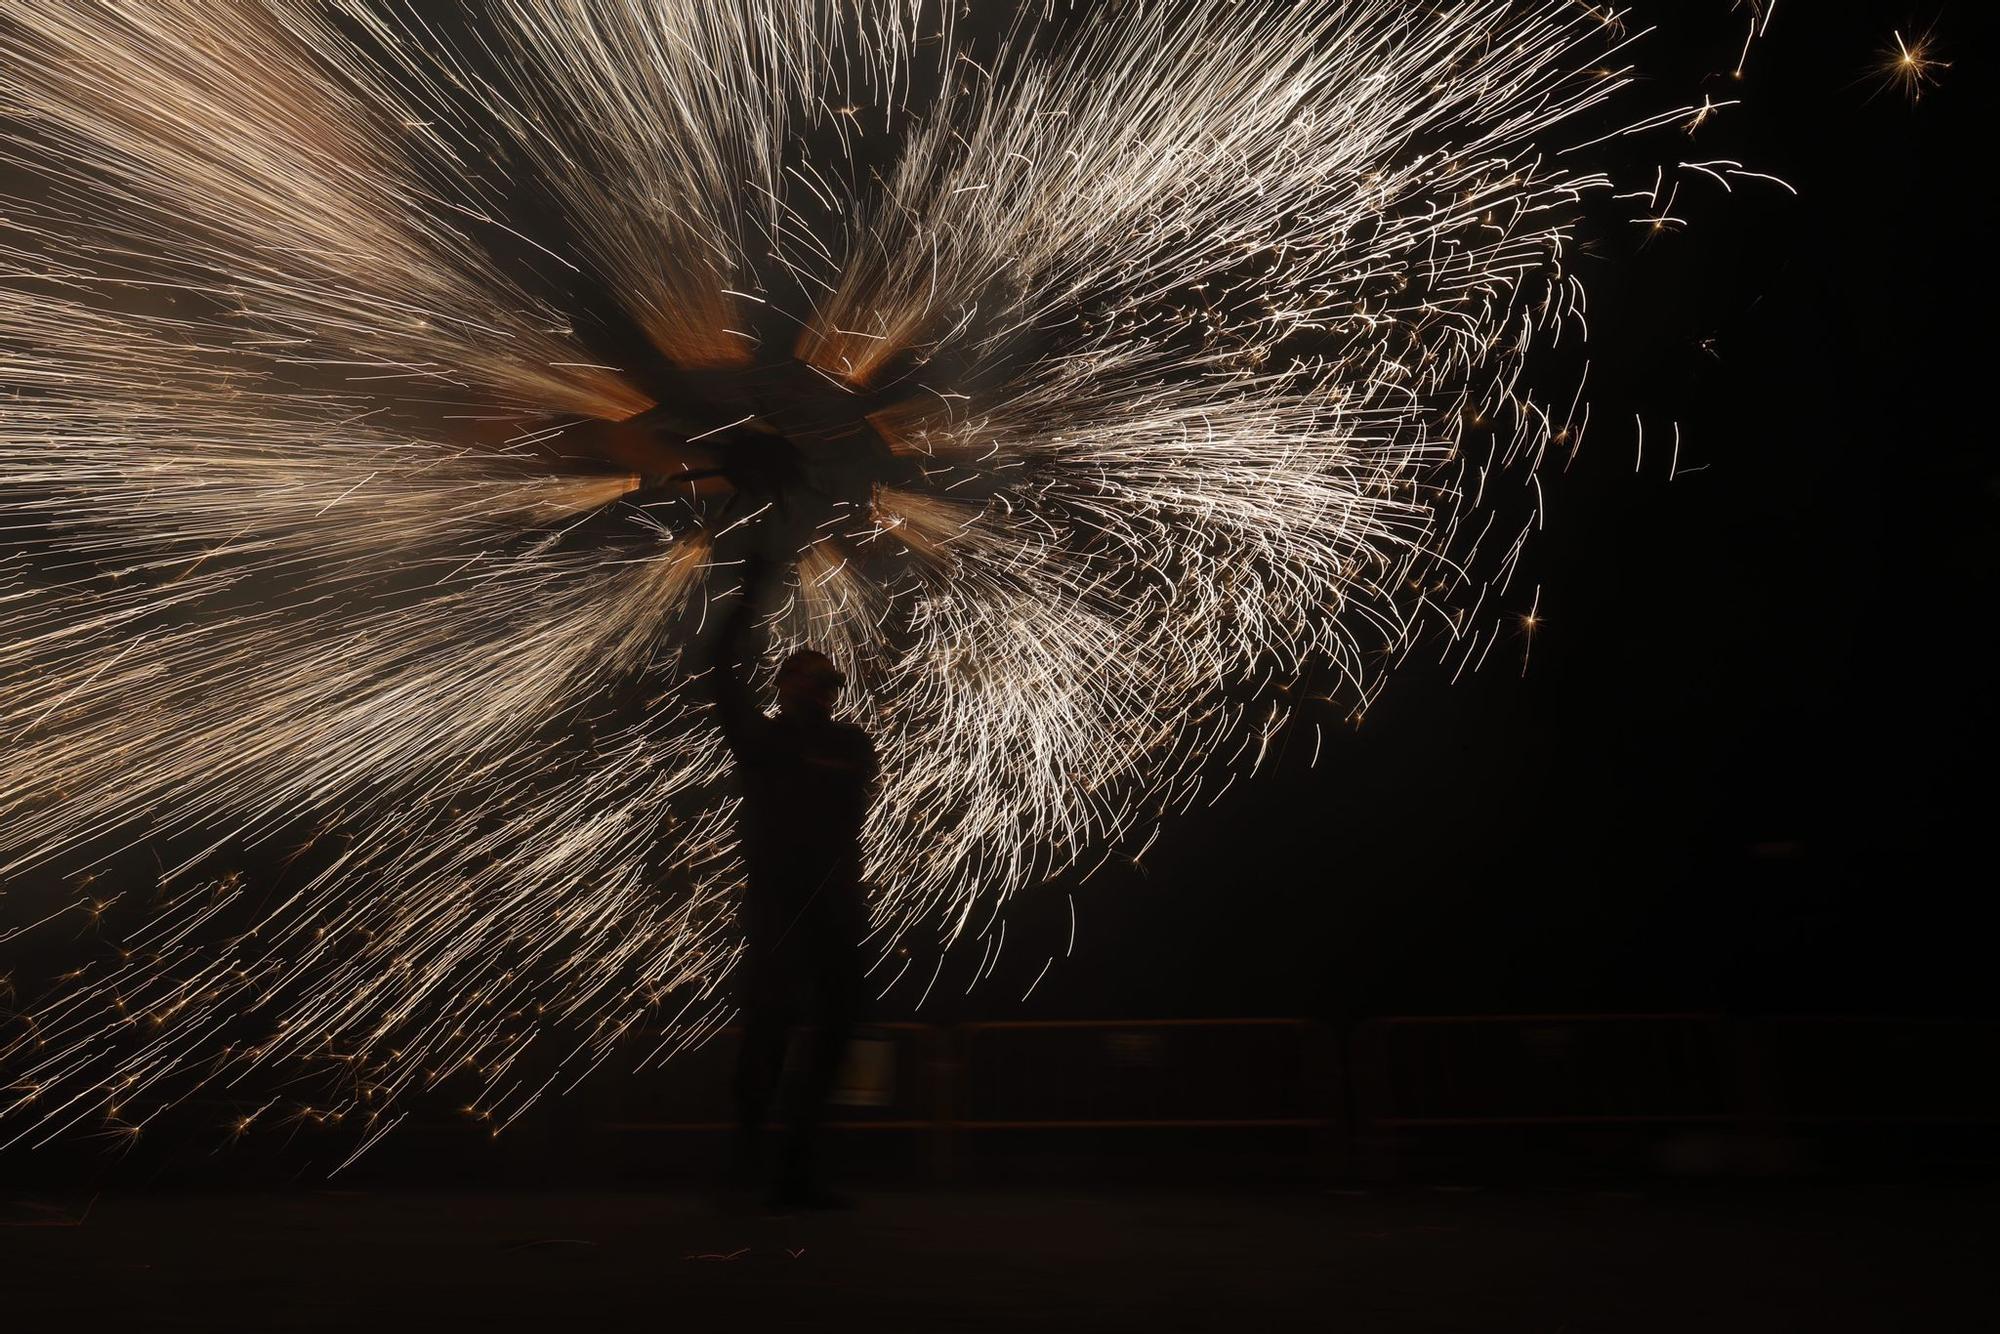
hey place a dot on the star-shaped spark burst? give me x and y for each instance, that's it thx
(1912, 66)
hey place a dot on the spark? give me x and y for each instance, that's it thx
(1912, 65)
(1195, 338)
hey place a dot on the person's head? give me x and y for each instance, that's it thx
(808, 685)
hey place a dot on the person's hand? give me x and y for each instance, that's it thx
(761, 465)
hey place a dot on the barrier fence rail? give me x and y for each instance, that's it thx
(1397, 1092)
(1400, 1096)
(994, 1080)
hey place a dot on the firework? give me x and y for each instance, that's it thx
(1912, 65)
(1137, 359)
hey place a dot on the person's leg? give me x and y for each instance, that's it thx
(760, 1062)
(836, 1008)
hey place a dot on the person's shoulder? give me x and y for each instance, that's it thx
(855, 737)
(751, 735)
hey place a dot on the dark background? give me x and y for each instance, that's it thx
(1744, 771)
(1747, 768)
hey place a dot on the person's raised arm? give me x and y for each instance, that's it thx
(734, 662)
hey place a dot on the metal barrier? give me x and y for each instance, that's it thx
(1206, 1077)
(1696, 1092)
(1560, 1069)
(1680, 1093)
(698, 1098)
(1187, 1073)
(1940, 1072)
(1066, 1075)
(1419, 1077)
(1578, 1084)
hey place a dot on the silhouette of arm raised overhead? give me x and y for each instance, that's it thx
(734, 665)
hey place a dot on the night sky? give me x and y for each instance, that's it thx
(1748, 766)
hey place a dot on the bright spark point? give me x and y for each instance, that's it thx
(1911, 65)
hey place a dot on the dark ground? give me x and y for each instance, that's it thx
(1553, 1262)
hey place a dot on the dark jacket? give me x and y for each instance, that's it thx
(805, 784)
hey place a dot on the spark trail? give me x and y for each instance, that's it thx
(1147, 356)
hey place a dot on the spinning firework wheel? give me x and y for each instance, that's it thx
(1112, 366)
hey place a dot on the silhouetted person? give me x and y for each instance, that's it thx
(806, 780)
